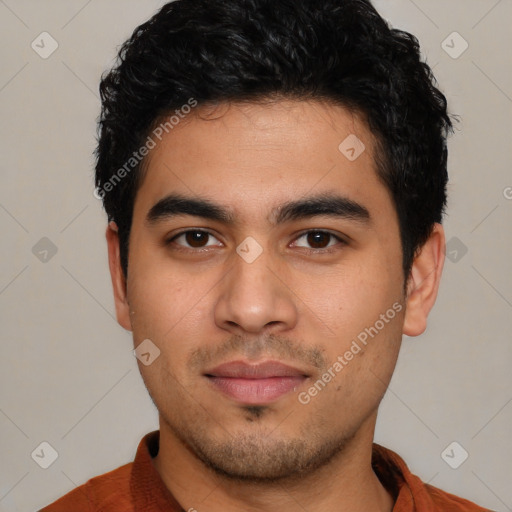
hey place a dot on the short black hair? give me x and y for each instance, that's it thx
(339, 51)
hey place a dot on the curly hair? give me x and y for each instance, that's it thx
(340, 51)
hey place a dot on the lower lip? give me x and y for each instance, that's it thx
(256, 391)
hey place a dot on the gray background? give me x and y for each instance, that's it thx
(67, 373)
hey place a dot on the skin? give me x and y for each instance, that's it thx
(302, 302)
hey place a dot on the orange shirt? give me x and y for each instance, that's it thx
(137, 487)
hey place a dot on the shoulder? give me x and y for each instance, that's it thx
(409, 491)
(451, 503)
(102, 492)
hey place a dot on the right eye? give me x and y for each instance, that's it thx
(193, 239)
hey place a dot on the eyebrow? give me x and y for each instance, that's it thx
(326, 205)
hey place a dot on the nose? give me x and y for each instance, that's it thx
(254, 298)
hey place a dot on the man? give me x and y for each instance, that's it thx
(274, 175)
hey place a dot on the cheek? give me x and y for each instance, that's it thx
(161, 297)
(348, 300)
(172, 310)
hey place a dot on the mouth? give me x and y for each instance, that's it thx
(255, 384)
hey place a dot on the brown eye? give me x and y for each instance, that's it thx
(194, 239)
(318, 240)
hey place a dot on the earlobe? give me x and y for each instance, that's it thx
(423, 283)
(118, 277)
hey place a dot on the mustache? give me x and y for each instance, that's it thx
(253, 348)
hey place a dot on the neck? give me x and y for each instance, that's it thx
(347, 482)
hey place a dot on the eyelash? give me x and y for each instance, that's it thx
(327, 250)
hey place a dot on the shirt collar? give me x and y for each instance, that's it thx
(148, 490)
(150, 494)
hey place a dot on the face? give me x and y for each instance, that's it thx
(266, 266)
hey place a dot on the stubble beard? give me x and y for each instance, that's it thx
(257, 455)
(246, 448)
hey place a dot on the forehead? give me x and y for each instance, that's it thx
(252, 156)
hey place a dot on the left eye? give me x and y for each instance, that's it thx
(318, 240)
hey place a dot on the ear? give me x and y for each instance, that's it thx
(423, 282)
(118, 277)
